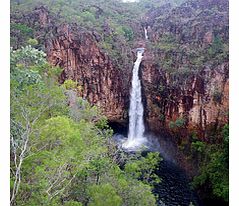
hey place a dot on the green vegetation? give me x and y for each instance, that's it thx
(217, 49)
(167, 43)
(214, 166)
(62, 155)
(20, 33)
(178, 123)
(144, 168)
(70, 84)
(32, 42)
(152, 4)
(212, 160)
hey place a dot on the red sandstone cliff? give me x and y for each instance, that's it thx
(78, 54)
(201, 99)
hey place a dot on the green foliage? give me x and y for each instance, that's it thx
(178, 123)
(144, 168)
(104, 195)
(68, 148)
(109, 46)
(20, 33)
(198, 146)
(123, 30)
(225, 133)
(218, 51)
(150, 4)
(24, 29)
(29, 67)
(216, 47)
(72, 203)
(131, 190)
(33, 100)
(167, 42)
(83, 110)
(22, 78)
(32, 42)
(88, 16)
(27, 56)
(214, 169)
(128, 33)
(69, 84)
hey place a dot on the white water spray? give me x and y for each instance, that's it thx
(136, 137)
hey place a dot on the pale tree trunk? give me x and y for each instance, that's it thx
(20, 149)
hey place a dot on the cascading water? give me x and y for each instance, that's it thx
(146, 33)
(136, 137)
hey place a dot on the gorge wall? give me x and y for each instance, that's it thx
(83, 61)
(184, 70)
(196, 103)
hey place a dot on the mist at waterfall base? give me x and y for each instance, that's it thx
(154, 143)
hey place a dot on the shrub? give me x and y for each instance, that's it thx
(198, 146)
(72, 203)
(70, 84)
(88, 16)
(180, 122)
(128, 33)
(32, 42)
(24, 29)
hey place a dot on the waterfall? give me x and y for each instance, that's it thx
(136, 111)
(146, 33)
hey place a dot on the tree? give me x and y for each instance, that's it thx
(102, 195)
(144, 167)
(31, 102)
(214, 167)
(128, 33)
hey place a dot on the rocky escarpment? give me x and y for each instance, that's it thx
(83, 61)
(202, 101)
(185, 72)
(102, 81)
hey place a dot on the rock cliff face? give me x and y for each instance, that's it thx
(185, 71)
(101, 83)
(196, 101)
